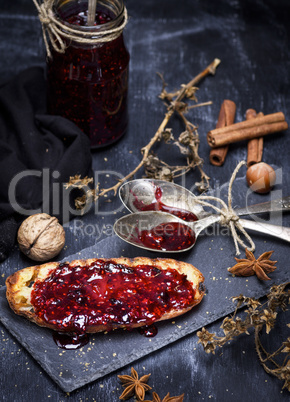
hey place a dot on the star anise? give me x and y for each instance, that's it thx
(167, 398)
(251, 266)
(134, 386)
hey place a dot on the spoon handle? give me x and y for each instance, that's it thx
(201, 224)
(273, 230)
(282, 204)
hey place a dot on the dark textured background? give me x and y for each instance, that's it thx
(178, 39)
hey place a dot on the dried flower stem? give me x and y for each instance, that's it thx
(194, 146)
(199, 105)
(258, 316)
(171, 109)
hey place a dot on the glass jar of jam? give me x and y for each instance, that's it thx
(88, 82)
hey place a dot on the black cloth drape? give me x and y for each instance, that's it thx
(38, 154)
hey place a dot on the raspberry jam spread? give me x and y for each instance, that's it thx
(172, 236)
(158, 205)
(73, 299)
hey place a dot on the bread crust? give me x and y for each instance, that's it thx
(19, 286)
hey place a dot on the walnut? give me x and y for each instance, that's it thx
(41, 237)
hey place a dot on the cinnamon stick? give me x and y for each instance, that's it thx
(248, 129)
(255, 146)
(226, 117)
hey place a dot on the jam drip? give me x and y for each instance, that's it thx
(73, 299)
(70, 341)
(172, 236)
(158, 205)
(149, 331)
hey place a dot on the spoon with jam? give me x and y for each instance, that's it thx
(157, 195)
(160, 231)
(164, 232)
(168, 219)
(142, 195)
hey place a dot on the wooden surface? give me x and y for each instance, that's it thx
(177, 39)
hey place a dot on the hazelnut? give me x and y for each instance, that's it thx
(261, 177)
(41, 237)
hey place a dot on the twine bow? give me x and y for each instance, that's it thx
(57, 34)
(228, 216)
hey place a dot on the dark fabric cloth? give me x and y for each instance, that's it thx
(38, 154)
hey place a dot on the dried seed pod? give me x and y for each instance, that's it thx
(41, 237)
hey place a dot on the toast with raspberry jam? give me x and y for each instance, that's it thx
(97, 295)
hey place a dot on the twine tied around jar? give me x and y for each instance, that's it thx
(228, 216)
(56, 32)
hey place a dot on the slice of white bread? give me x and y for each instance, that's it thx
(20, 285)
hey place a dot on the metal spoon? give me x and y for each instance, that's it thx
(128, 227)
(137, 194)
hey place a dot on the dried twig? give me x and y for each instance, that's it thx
(257, 316)
(189, 138)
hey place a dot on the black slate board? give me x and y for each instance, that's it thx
(105, 353)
